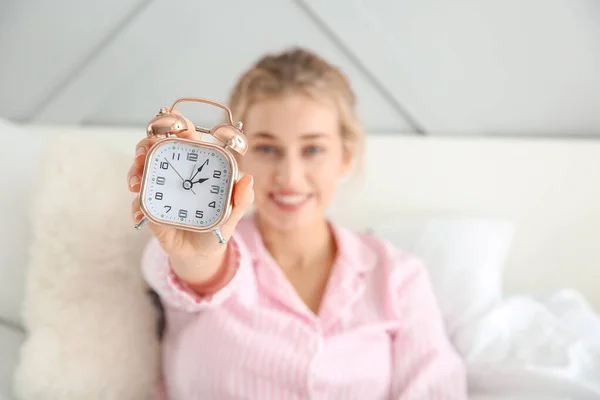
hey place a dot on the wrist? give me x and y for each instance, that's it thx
(198, 269)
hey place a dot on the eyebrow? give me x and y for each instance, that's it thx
(305, 136)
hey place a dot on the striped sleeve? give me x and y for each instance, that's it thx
(426, 365)
(174, 292)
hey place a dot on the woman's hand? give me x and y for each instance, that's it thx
(189, 250)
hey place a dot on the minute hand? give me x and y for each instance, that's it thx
(199, 169)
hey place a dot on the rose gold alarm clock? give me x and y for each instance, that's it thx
(187, 184)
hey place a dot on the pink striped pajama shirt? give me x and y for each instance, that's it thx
(378, 334)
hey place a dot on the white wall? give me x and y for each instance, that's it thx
(461, 67)
(471, 66)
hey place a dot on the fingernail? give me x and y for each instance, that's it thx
(140, 150)
(250, 193)
(134, 180)
(137, 216)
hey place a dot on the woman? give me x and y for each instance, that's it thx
(294, 306)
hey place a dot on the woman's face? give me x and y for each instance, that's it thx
(296, 156)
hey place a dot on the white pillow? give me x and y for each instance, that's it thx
(10, 341)
(91, 325)
(19, 162)
(465, 258)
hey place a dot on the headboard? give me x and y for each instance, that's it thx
(549, 187)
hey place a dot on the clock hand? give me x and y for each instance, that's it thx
(178, 174)
(191, 173)
(199, 169)
(203, 164)
(200, 180)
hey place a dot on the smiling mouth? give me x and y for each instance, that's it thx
(290, 199)
(290, 202)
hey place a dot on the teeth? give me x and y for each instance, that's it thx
(290, 199)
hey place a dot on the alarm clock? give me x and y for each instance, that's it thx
(187, 184)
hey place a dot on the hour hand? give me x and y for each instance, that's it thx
(201, 180)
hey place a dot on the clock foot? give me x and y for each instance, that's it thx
(217, 232)
(142, 222)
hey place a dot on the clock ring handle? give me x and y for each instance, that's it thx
(230, 134)
(211, 102)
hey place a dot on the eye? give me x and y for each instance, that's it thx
(313, 150)
(266, 149)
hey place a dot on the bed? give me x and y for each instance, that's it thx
(509, 228)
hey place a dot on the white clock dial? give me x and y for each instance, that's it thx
(187, 184)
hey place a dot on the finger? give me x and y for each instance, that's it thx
(243, 197)
(142, 148)
(137, 215)
(134, 177)
(136, 212)
(243, 194)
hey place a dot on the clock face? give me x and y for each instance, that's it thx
(187, 183)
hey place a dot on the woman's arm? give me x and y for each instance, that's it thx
(176, 293)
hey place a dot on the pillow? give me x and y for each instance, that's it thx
(465, 258)
(91, 323)
(10, 340)
(19, 163)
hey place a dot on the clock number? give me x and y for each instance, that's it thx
(217, 174)
(214, 189)
(169, 208)
(164, 165)
(178, 155)
(160, 180)
(158, 196)
(212, 204)
(192, 157)
(199, 214)
(182, 213)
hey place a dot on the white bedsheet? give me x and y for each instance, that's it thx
(528, 348)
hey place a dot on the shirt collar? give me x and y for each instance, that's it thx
(353, 253)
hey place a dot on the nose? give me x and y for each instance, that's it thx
(289, 171)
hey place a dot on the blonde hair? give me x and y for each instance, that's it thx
(298, 70)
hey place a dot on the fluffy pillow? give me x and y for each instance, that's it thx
(17, 189)
(11, 339)
(465, 258)
(90, 321)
